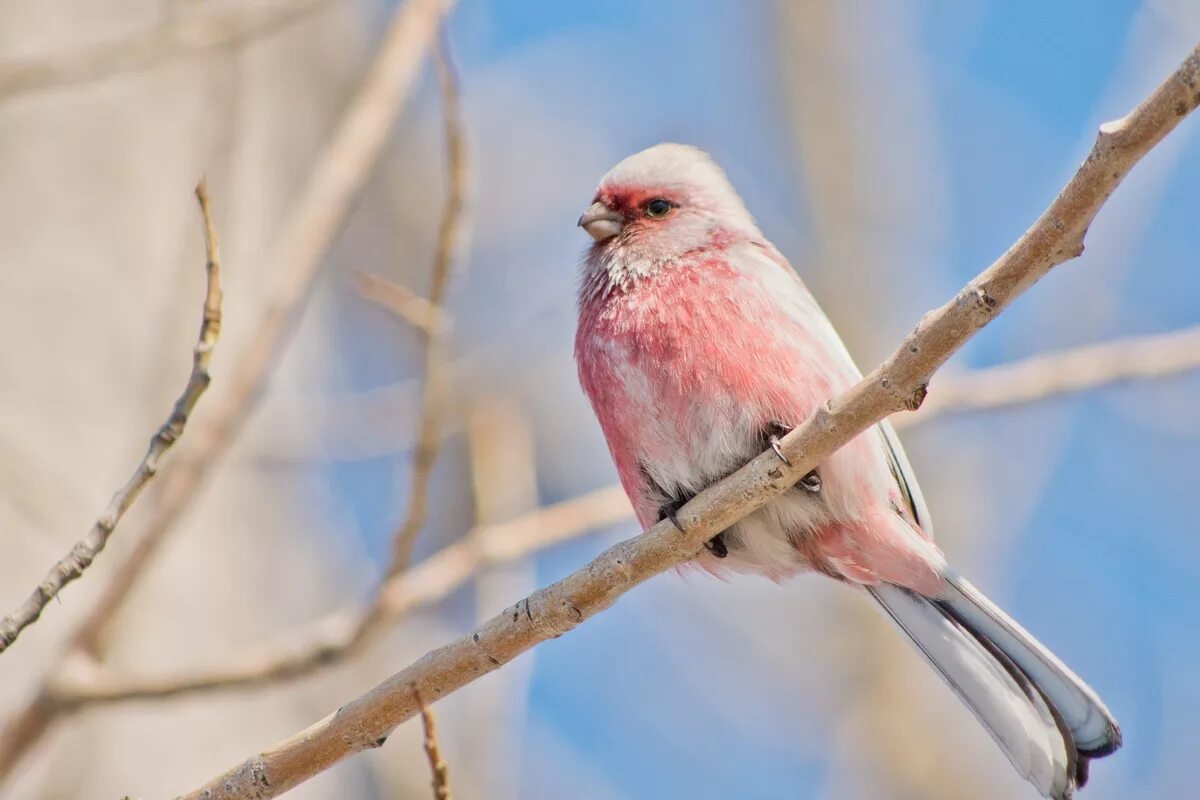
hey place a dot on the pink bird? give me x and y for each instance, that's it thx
(698, 346)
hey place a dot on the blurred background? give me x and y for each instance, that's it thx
(890, 149)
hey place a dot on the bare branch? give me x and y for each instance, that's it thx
(335, 637)
(450, 241)
(210, 26)
(72, 565)
(1048, 375)
(340, 173)
(1024, 381)
(341, 634)
(897, 384)
(437, 766)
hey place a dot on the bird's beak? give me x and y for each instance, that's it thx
(601, 222)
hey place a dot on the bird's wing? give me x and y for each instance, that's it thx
(901, 469)
(903, 472)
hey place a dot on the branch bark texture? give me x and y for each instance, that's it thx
(900, 383)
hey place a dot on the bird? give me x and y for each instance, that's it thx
(698, 347)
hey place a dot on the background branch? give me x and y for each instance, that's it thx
(406, 304)
(330, 639)
(897, 384)
(450, 241)
(1048, 375)
(72, 565)
(318, 216)
(209, 26)
(341, 634)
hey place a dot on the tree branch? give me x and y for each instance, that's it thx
(437, 766)
(341, 634)
(331, 639)
(339, 175)
(210, 27)
(1047, 375)
(317, 645)
(406, 304)
(325, 642)
(336, 179)
(898, 384)
(72, 565)
(450, 242)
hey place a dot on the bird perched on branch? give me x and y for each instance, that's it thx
(699, 346)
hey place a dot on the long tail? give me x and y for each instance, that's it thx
(1048, 722)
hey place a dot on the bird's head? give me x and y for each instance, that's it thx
(661, 203)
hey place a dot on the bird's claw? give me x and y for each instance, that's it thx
(669, 511)
(716, 546)
(776, 429)
(777, 450)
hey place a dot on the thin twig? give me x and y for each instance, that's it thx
(210, 26)
(450, 241)
(71, 566)
(437, 765)
(337, 178)
(896, 385)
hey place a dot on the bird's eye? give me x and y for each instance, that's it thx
(658, 208)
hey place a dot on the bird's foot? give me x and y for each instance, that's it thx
(776, 429)
(669, 511)
(716, 546)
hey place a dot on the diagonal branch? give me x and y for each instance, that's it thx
(898, 384)
(322, 643)
(450, 241)
(72, 565)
